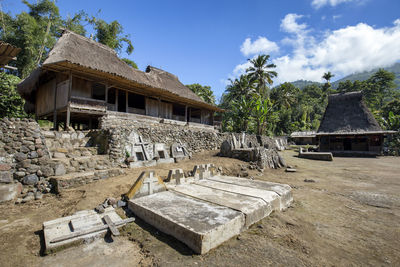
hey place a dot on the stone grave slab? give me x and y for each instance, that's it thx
(179, 152)
(253, 208)
(269, 197)
(200, 225)
(283, 190)
(68, 230)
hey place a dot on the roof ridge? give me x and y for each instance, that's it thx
(84, 38)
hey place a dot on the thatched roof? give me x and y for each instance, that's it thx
(347, 113)
(302, 134)
(80, 53)
(8, 52)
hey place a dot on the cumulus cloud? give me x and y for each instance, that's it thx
(289, 24)
(261, 45)
(320, 3)
(343, 51)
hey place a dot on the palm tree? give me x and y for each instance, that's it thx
(240, 88)
(328, 76)
(259, 73)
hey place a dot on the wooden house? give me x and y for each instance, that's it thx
(349, 128)
(303, 138)
(82, 80)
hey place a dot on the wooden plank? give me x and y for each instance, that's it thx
(90, 231)
(113, 229)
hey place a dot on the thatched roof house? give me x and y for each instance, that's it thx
(87, 79)
(304, 138)
(348, 127)
(8, 53)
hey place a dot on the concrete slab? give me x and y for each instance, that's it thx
(80, 221)
(269, 197)
(253, 208)
(200, 225)
(283, 190)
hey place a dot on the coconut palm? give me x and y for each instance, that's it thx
(259, 72)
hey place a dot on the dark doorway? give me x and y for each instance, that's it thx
(121, 101)
(347, 144)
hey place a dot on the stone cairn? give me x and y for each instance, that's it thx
(265, 156)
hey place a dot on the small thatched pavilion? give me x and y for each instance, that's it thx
(82, 80)
(349, 128)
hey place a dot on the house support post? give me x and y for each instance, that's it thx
(68, 117)
(55, 124)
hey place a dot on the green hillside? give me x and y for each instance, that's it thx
(356, 76)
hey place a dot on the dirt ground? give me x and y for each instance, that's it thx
(348, 215)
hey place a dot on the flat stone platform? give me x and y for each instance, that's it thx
(199, 224)
(269, 197)
(203, 213)
(254, 209)
(283, 190)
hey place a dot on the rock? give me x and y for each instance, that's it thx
(47, 171)
(6, 177)
(38, 195)
(20, 156)
(18, 201)
(290, 170)
(5, 167)
(39, 173)
(121, 203)
(59, 155)
(18, 175)
(33, 155)
(30, 196)
(62, 150)
(309, 180)
(9, 191)
(99, 209)
(59, 169)
(30, 179)
(111, 201)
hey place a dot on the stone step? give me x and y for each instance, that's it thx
(75, 179)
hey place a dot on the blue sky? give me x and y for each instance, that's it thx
(208, 42)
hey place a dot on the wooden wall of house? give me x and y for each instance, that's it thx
(151, 107)
(45, 98)
(62, 94)
(81, 88)
(165, 110)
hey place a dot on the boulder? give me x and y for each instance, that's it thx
(30, 179)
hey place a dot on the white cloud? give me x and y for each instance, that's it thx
(290, 25)
(261, 45)
(343, 51)
(320, 3)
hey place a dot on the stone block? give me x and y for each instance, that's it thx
(283, 190)
(269, 197)
(30, 179)
(253, 208)
(59, 169)
(6, 177)
(9, 191)
(200, 225)
(5, 167)
(59, 155)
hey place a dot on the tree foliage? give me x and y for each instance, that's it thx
(11, 103)
(204, 92)
(37, 30)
